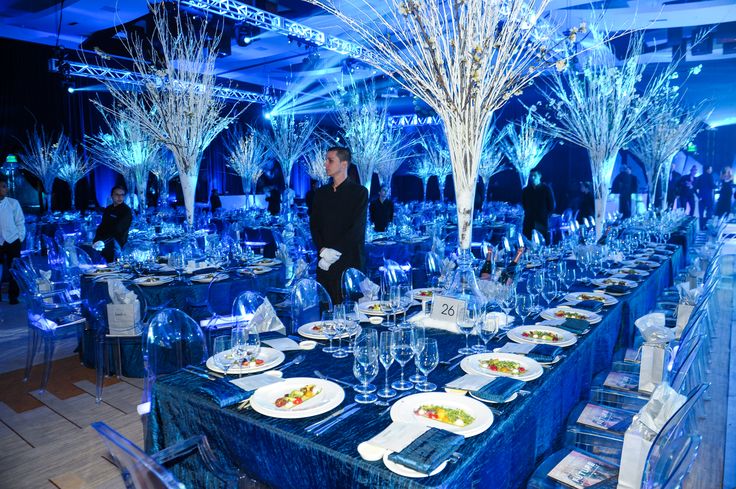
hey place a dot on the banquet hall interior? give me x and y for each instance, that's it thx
(367, 243)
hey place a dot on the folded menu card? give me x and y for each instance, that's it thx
(520, 348)
(621, 381)
(469, 382)
(605, 418)
(428, 451)
(581, 471)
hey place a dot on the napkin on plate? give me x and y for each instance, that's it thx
(429, 451)
(590, 305)
(226, 393)
(544, 353)
(577, 326)
(500, 389)
(616, 289)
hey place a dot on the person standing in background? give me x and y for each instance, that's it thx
(116, 220)
(381, 210)
(725, 193)
(12, 234)
(705, 186)
(538, 202)
(687, 191)
(215, 202)
(624, 185)
(337, 223)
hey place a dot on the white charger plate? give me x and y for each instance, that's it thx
(307, 330)
(206, 278)
(604, 282)
(267, 262)
(416, 294)
(406, 471)
(258, 270)
(270, 356)
(566, 337)
(153, 281)
(471, 365)
(364, 307)
(608, 300)
(331, 395)
(629, 271)
(591, 317)
(403, 411)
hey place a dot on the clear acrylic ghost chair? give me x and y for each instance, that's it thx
(308, 301)
(142, 471)
(172, 341)
(667, 445)
(393, 273)
(350, 284)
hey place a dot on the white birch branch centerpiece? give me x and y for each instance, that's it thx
(525, 144)
(465, 59)
(176, 104)
(247, 158)
(288, 139)
(72, 167)
(40, 156)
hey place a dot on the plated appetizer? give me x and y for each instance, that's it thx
(503, 366)
(297, 397)
(540, 334)
(453, 416)
(561, 313)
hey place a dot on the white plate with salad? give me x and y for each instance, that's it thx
(298, 397)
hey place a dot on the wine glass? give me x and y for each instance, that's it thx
(395, 301)
(386, 302)
(569, 278)
(508, 303)
(386, 356)
(365, 369)
(178, 262)
(487, 329)
(340, 321)
(549, 291)
(524, 306)
(329, 330)
(426, 362)
(406, 298)
(223, 358)
(466, 323)
(417, 345)
(402, 351)
(246, 344)
(367, 337)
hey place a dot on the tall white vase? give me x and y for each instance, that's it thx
(188, 188)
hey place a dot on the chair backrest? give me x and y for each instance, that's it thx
(350, 283)
(173, 341)
(393, 273)
(669, 445)
(683, 364)
(432, 265)
(308, 300)
(137, 469)
(245, 305)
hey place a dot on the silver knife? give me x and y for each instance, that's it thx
(395, 399)
(322, 429)
(313, 426)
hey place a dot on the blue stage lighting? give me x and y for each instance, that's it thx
(70, 89)
(267, 115)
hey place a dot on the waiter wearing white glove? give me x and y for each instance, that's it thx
(12, 233)
(337, 223)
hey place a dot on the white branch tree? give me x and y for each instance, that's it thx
(421, 167)
(525, 144)
(436, 158)
(164, 169)
(128, 148)
(465, 59)
(674, 124)
(490, 159)
(315, 160)
(363, 124)
(395, 152)
(247, 156)
(288, 139)
(176, 105)
(72, 167)
(600, 109)
(40, 157)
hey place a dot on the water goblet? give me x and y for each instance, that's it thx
(508, 303)
(524, 306)
(427, 361)
(395, 301)
(402, 351)
(340, 321)
(329, 330)
(487, 329)
(466, 323)
(246, 344)
(365, 369)
(386, 357)
(417, 345)
(367, 338)
(223, 357)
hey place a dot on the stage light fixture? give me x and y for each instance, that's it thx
(70, 89)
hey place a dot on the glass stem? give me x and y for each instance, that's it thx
(466, 341)
(386, 369)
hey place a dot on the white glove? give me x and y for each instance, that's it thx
(98, 245)
(324, 264)
(330, 255)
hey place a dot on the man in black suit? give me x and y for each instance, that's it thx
(381, 210)
(538, 202)
(116, 220)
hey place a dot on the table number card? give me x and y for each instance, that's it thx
(447, 309)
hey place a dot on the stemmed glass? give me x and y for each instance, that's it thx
(246, 344)
(466, 323)
(508, 303)
(395, 302)
(386, 356)
(329, 330)
(569, 278)
(487, 329)
(524, 306)
(365, 368)
(340, 321)
(405, 298)
(402, 350)
(222, 356)
(178, 262)
(549, 291)
(538, 285)
(367, 337)
(426, 362)
(417, 345)
(386, 302)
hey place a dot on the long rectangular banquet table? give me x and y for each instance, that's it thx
(279, 453)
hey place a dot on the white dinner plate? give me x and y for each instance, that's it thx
(471, 365)
(608, 300)
(384, 242)
(330, 396)
(566, 337)
(313, 332)
(558, 313)
(113, 276)
(367, 308)
(271, 358)
(258, 270)
(424, 294)
(267, 262)
(406, 471)
(153, 281)
(605, 282)
(404, 409)
(629, 271)
(205, 278)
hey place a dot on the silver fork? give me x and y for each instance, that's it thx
(326, 377)
(296, 361)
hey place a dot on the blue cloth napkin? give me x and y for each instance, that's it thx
(577, 326)
(223, 393)
(617, 289)
(590, 305)
(499, 389)
(429, 451)
(544, 353)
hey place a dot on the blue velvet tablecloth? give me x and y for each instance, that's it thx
(281, 454)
